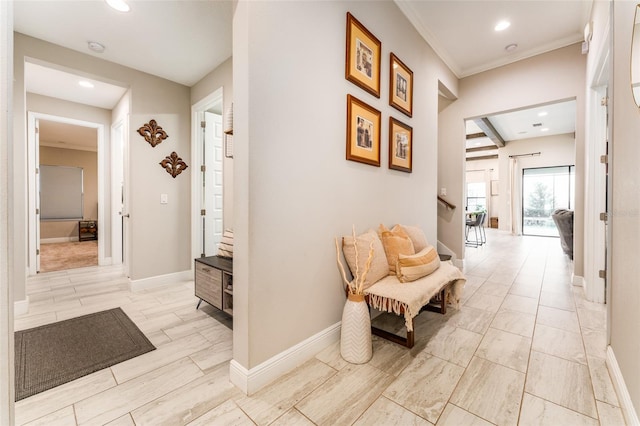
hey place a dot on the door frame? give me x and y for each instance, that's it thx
(197, 115)
(32, 183)
(119, 178)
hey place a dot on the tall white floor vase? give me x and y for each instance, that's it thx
(355, 336)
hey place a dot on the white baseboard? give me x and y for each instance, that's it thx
(250, 381)
(160, 280)
(58, 240)
(21, 307)
(629, 412)
(442, 249)
(105, 261)
(577, 280)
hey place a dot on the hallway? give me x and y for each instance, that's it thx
(525, 348)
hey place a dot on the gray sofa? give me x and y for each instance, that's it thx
(564, 222)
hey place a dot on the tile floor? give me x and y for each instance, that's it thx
(525, 348)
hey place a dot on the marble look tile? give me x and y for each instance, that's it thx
(163, 355)
(594, 320)
(514, 322)
(563, 382)
(217, 334)
(63, 417)
(537, 411)
(226, 414)
(557, 300)
(410, 390)
(610, 415)
(484, 301)
(456, 416)
(595, 343)
(561, 343)
(514, 303)
(453, 344)
(214, 355)
(503, 277)
(118, 401)
(188, 402)
(558, 318)
(49, 401)
(345, 396)
(494, 288)
(275, 399)
(510, 350)
(472, 319)
(158, 338)
(186, 328)
(388, 413)
(25, 322)
(331, 356)
(389, 357)
(602, 385)
(125, 420)
(490, 391)
(157, 323)
(582, 302)
(528, 280)
(531, 291)
(292, 417)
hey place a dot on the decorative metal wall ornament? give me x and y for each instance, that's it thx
(173, 164)
(153, 133)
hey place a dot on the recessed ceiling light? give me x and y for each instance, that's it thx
(542, 113)
(85, 83)
(511, 47)
(119, 5)
(95, 46)
(502, 25)
(544, 129)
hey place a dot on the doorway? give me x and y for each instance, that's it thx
(207, 196)
(90, 154)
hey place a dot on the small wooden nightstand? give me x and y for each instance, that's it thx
(87, 230)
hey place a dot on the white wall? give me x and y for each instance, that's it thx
(294, 191)
(553, 76)
(160, 234)
(222, 76)
(485, 171)
(625, 214)
(7, 368)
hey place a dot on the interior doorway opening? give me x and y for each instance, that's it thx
(49, 149)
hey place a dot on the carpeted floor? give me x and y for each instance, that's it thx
(63, 256)
(53, 354)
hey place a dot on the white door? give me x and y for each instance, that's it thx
(33, 160)
(212, 202)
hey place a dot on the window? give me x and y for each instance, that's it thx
(476, 196)
(544, 190)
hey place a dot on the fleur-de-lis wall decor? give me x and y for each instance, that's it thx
(173, 164)
(153, 133)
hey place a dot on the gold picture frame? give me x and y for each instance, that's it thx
(363, 132)
(364, 51)
(400, 86)
(400, 146)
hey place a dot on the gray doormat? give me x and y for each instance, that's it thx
(53, 354)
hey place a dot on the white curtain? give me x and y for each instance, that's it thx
(515, 196)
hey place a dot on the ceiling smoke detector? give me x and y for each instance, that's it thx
(511, 47)
(95, 46)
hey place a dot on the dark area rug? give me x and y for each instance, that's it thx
(53, 354)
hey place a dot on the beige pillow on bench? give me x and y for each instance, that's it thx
(412, 267)
(379, 267)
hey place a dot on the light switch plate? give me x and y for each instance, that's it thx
(164, 199)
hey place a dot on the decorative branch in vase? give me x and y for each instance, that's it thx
(355, 334)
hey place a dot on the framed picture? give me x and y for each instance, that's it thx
(400, 146)
(363, 132)
(363, 57)
(400, 86)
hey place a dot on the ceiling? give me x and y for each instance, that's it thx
(67, 136)
(184, 40)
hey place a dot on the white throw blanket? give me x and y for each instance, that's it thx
(390, 295)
